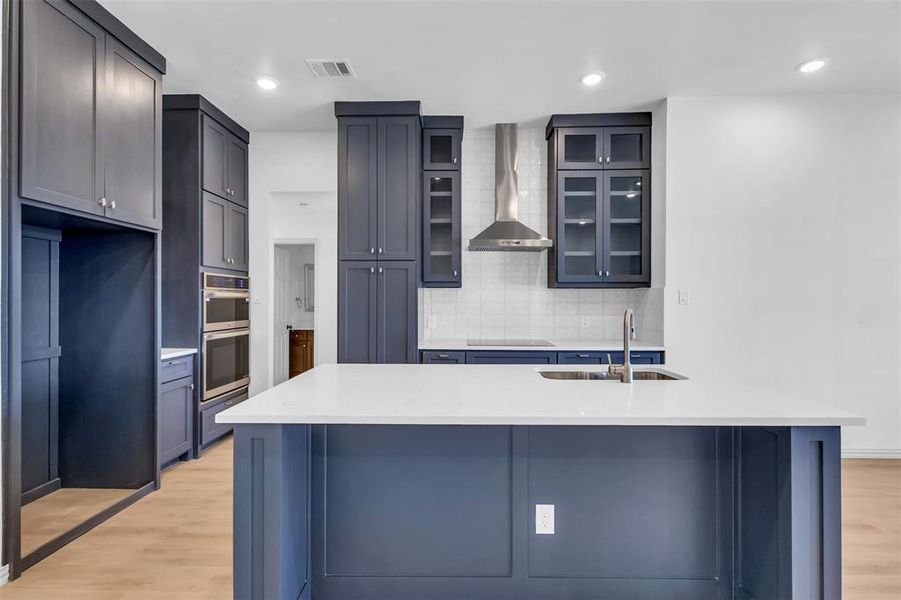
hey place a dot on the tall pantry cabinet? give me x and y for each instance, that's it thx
(379, 154)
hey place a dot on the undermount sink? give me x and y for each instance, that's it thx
(637, 375)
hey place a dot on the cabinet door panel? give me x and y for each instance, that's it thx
(441, 149)
(215, 231)
(397, 312)
(237, 170)
(357, 187)
(627, 227)
(62, 70)
(580, 148)
(130, 119)
(176, 406)
(443, 357)
(398, 187)
(236, 240)
(441, 243)
(579, 226)
(215, 148)
(627, 147)
(357, 297)
(512, 357)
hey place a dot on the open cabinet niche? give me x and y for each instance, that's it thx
(88, 373)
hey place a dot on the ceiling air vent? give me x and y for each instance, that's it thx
(330, 68)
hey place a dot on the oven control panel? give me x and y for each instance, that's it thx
(215, 281)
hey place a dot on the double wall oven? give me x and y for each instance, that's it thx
(226, 334)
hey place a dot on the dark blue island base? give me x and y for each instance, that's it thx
(368, 512)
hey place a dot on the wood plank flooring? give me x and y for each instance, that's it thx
(175, 544)
(51, 516)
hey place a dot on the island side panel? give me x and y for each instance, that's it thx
(271, 512)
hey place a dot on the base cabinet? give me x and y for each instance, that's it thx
(210, 430)
(531, 357)
(176, 409)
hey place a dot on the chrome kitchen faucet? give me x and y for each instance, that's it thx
(625, 370)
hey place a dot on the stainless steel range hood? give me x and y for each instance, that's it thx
(507, 233)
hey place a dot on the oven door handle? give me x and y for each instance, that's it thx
(208, 294)
(218, 335)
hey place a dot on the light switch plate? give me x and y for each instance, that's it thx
(683, 297)
(544, 519)
(586, 322)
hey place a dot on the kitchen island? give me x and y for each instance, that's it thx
(422, 482)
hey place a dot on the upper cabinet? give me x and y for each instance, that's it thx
(378, 187)
(224, 163)
(441, 146)
(586, 148)
(599, 200)
(441, 212)
(90, 137)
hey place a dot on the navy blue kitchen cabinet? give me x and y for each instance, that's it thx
(601, 358)
(176, 409)
(503, 357)
(378, 187)
(379, 195)
(599, 204)
(442, 138)
(443, 357)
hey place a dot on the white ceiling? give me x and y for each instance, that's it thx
(510, 60)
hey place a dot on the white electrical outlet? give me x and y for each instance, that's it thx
(683, 297)
(544, 519)
(586, 322)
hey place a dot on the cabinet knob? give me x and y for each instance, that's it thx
(227, 190)
(231, 192)
(381, 251)
(192, 387)
(372, 269)
(600, 159)
(381, 270)
(600, 273)
(455, 160)
(607, 273)
(112, 204)
(102, 202)
(372, 250)
(455, 272)
(608, 159)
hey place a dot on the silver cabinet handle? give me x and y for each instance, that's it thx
(371, 270)
(600, 159)
(381, 270)
(455, 272)
(583, 355)
(192, 387)
(442, 356)
(112, 204)
(455, 160)
(606, 273)
(608, 159)
(372, 250)
(381, 251)
(246, 300)
(600, 273)
(102, 202)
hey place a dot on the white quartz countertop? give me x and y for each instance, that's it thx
(517, 395)
(558, 346)
(170, 353)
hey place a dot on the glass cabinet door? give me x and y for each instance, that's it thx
(441, 229)
(627, 148)
(580, 148)
(579, 210)
(441, 149)
(627, 227)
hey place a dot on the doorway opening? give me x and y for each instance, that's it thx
(295, 309)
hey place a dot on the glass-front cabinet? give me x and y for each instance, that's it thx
(599, 215)
(441, 229)
(441, 149)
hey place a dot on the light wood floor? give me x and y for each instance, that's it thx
(51, 516)
(175, 544)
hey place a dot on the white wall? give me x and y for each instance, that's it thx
(298, 314)
(504, 295)
(292, 198)
(783, 223)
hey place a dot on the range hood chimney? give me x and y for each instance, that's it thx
(507, 233)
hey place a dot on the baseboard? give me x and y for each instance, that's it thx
(850, 453)
(4, 575)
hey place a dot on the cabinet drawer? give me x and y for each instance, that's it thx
(210, 430)
(441, 357)
(513, 357)
(600, 358)
(176, 368)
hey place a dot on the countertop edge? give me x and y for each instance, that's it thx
(170, 353)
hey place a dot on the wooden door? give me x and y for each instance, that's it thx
(215, 219)
(215, 149)
(398, 188)
(63, 68)
(236, 170)
(396, 312)
(357, 302)
(300, 352)
(357, 187)
(132, 137)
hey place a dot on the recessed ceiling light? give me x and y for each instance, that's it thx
(592, 79)
(811, 66)
(267, 83)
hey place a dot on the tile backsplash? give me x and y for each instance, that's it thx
(505, 294)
